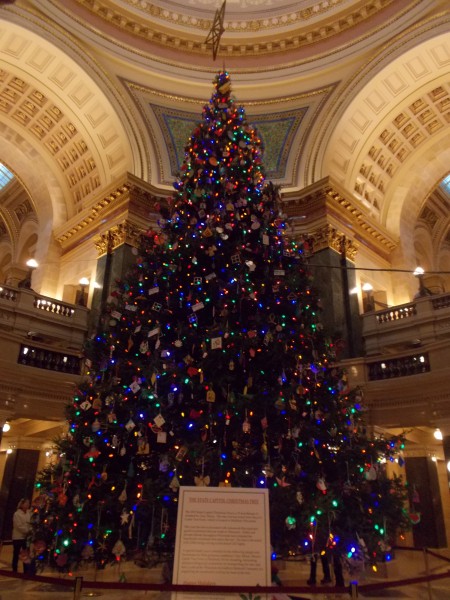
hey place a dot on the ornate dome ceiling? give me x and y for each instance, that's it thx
(275, 31)
(355, 90)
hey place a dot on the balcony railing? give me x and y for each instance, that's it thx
(399, 329)
(48, 359)
(41, 341)
(402, 366)
(25, 313)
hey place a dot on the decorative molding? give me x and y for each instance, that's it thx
(164, 27)
(132, 202)
(325, 204)
(123, 233)
(329, 237)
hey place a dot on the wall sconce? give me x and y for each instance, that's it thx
(438, 434)
(423, 291)
(81, 298)
(32, 264)
(368, 300)
(6, 427)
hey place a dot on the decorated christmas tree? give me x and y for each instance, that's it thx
(210, 368)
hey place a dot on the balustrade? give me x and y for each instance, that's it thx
(441, 302)
(395, 313)
(7, 293)
(42, 358)
(53, 306)
(398, 367)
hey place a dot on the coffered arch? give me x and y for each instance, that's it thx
(399, 117)
(63, 116)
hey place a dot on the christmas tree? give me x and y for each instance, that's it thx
(210, 367)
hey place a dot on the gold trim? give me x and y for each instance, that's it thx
(123, 233)
(329, 237)
(162, 33)
(325, 204)
(131, 201)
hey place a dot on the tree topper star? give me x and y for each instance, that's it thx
(217, 29)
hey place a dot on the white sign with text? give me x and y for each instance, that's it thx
(222, 537)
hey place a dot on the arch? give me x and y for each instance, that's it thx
(5, 260)
(27, 244)
(71, 124)
(379, 111)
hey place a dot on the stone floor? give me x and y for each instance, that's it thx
(293, 573)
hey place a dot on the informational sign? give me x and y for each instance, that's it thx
(222, 538)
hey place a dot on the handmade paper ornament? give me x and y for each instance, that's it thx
(195, 414)
(299, 497)
(95, 425)
(123, 494)
(246, 426)
(202, 480)
(415, 517)
(282, 481)
(321, 485)
(216, 343)
(92, 453)
(174, 484)
(86, 405)
(109, 400)
(143, 348)
(135, 387)
(180, 455)
(371, 474)
(143, 446)
(164, 463)
(159, 420)
(97, 403)
(130, 425)
(210, 396)
(62, 498)
(124, 517)
(119, 549)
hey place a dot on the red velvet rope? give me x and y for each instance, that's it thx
(110, 585)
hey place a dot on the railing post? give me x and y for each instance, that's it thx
(427, 572)
(77, 588)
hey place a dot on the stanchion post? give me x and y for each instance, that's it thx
(77, 589)
(353, 589)
(427, 573)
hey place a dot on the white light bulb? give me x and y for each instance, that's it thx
(438, 434)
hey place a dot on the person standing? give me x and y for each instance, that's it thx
(21, 528)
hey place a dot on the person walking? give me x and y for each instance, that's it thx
(21, 528)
